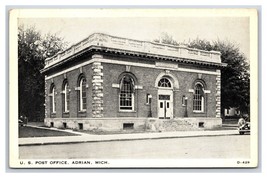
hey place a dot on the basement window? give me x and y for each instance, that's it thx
(51, 124)
(201, 124)
(64, 125)
(80, 126)
(128, 126)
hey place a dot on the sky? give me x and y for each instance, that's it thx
(182, 29)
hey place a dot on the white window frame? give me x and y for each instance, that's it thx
(66, 104)
(53, 100)
(202, 99)
(132, 101)
(165, 87)
(81, 92)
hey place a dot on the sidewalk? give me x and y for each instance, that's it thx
(83, 137)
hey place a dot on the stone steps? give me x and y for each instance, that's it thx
(177, 125)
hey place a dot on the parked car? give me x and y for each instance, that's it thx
(22, 120)
(243, 126)
(21, 123)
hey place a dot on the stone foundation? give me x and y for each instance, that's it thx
(138, 124)
(207, 123)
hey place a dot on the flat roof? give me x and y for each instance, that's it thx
(110, 43)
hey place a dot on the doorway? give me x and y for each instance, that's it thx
(165, 104)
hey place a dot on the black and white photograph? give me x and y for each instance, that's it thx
(133, 88)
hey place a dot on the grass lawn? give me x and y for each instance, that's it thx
(25, 132)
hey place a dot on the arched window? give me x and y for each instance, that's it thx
(82, 94)
(126, 96)
(66, 96)
(52, 99)
(198, 100)
(164, 82)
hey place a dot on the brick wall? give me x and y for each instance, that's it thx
(72, 77)
(146, 78)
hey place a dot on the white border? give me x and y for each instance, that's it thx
(254, 84)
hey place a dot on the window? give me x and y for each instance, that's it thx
(164, 82)
(201, 124)
(82, 94)
(66, 96)
(80, 126)
(148, 98)
(127, 126)
(64, 125)
(52, 99)
(183, 101)
(126, 96)
(198, 100)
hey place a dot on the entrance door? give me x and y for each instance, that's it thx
(165, 99)
(164, 106)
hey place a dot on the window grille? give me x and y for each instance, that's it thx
(164, 82)
(66, 97)
(198, 100)
(82, 94)
(126, 95)
(53, 100)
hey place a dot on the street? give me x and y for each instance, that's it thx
(231, 146)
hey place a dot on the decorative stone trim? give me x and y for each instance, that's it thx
(191, 90)
(137, 48)
(97, 89)
(206, 91)
(113, 61)
(115, 85)
(218, 95)
(138, 87)
(46, 100)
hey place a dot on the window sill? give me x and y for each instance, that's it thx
(82, 113)
(198, 112)
(165, 88)
(65, 114)
(127, 114)
(123, 111)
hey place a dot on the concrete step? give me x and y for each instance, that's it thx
(177, 125)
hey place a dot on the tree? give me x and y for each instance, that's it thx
(165, 38)
(235, 78)
(33, 49)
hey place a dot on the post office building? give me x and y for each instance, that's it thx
(114, 84)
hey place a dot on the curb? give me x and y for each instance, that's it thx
(56, 129)
(121, 139)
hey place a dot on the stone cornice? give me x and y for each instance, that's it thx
(122, 46)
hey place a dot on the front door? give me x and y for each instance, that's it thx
(165, 106)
